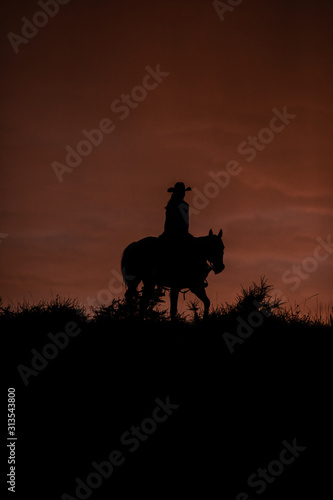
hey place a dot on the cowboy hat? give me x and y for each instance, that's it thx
(178, 188)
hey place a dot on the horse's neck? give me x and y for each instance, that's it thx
(201, 244)
(202, 240)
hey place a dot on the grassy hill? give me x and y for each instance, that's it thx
(243, 385)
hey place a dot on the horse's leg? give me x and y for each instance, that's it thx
(173, 302)
(147, 292)
(200, 292)
(131, 292)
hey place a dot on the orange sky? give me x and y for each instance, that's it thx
(225, 79)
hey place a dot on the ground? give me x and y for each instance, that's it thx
(175, 406)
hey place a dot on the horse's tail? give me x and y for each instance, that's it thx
(129, 265)
(125, 263)
(122, 265)
(136, 260)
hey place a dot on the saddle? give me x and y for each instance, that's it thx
(175, 245)
(177, 258)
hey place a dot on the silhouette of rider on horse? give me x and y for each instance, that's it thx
(175, 260)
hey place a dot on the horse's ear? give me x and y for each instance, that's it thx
(210, 232)
(220, 233)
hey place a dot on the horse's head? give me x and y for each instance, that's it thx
(215, 251)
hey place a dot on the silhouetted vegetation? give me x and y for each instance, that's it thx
(256, 297)
(43, 315)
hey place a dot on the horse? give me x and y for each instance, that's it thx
(158, 262)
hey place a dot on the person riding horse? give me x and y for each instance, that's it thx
(175, 260)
